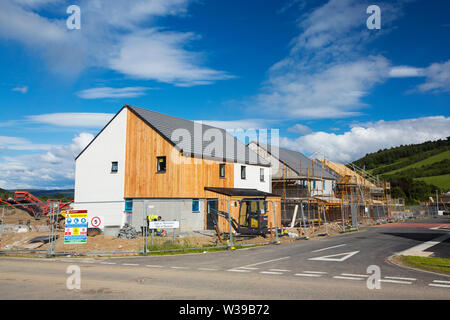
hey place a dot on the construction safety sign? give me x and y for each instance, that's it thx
(76, 227)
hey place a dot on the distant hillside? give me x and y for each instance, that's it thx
(64, 194)
(417, 169)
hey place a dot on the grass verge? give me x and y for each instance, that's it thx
(439, 265)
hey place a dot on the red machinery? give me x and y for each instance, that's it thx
(33, 205)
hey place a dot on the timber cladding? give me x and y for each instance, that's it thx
(185, 177)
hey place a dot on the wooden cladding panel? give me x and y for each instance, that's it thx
(184, 177)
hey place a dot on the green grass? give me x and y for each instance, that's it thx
(442, 181)
(440, 265)
(436, 158)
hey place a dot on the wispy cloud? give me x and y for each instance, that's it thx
(81, 120)
(121, 35)
(437, 78)
(23, 89)
(21, 144)
(300, 128)
(108, 92)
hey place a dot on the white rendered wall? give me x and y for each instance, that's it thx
(252, 180)
(94, 181)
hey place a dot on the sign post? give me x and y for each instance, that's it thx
(76, 227)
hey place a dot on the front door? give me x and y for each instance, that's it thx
(211, 213)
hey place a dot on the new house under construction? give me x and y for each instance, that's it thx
(319, 190)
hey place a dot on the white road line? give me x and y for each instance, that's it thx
(347, 278)
(441, 281)
(248, 268)
(314, 272)
(238, 270)
(107, 263)
(396, 281)
(307, 275)
(130, 264)
(344, 256)
(178, 267)
(354, 275)
(399, 278)
(207, 269)
(257, 264)
(419, 250)
(279, 270)
(153, 266)
(271, 272)
(439, 285)
(339, 245)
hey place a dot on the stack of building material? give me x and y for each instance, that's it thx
(128, 232)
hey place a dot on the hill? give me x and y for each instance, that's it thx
(415, 171)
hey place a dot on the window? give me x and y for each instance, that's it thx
(114, 167)
(243, 172)
(161, 165)
(323, 185)
(128, 205)
(195, 205)
(222, 170)
(261, 174)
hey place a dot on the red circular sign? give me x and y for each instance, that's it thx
(96, 222)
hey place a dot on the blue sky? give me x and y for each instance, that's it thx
(311, 69)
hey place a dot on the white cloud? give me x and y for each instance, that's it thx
(84, 120)
(107, 92)
(299, 128)
(239, 124)
(23, 89)
(370, 137)
(437, 78)
(52, 169)
(16, 143)
(120, 35)
(405, 71)
(159, 55)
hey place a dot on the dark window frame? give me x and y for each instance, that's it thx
(243, 172)
(158, 170)
(196, 207)
(129, 205)
(222, 165)
(114, 166)
(262, 175)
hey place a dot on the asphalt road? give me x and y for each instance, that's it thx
(324, 268)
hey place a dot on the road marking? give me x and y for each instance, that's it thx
(354, 275)
(347, 278)
(178, 267)
(130, 264)
(248, 268)
(439, 285)
(207, 269)
(107, 263)
(270, 272)
(238, 270)
(314, 272)
(279, 270)
(396, 281)
(419, 250)
(441, 281)
(153, 266)
(332, 257)
(307, 275)
(339, 245)
(257, 264)
(399, 278)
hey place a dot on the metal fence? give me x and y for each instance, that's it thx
(203, 225)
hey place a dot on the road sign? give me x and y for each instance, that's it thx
(96, 222)
(76, 227)
(164, 224)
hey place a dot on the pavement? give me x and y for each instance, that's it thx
(334, 267)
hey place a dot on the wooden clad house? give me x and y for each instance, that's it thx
(144, 162)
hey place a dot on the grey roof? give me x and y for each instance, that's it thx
(298, 162)
(189, 137)
(241, 192)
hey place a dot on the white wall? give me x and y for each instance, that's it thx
(94, 181)
(252, 180)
